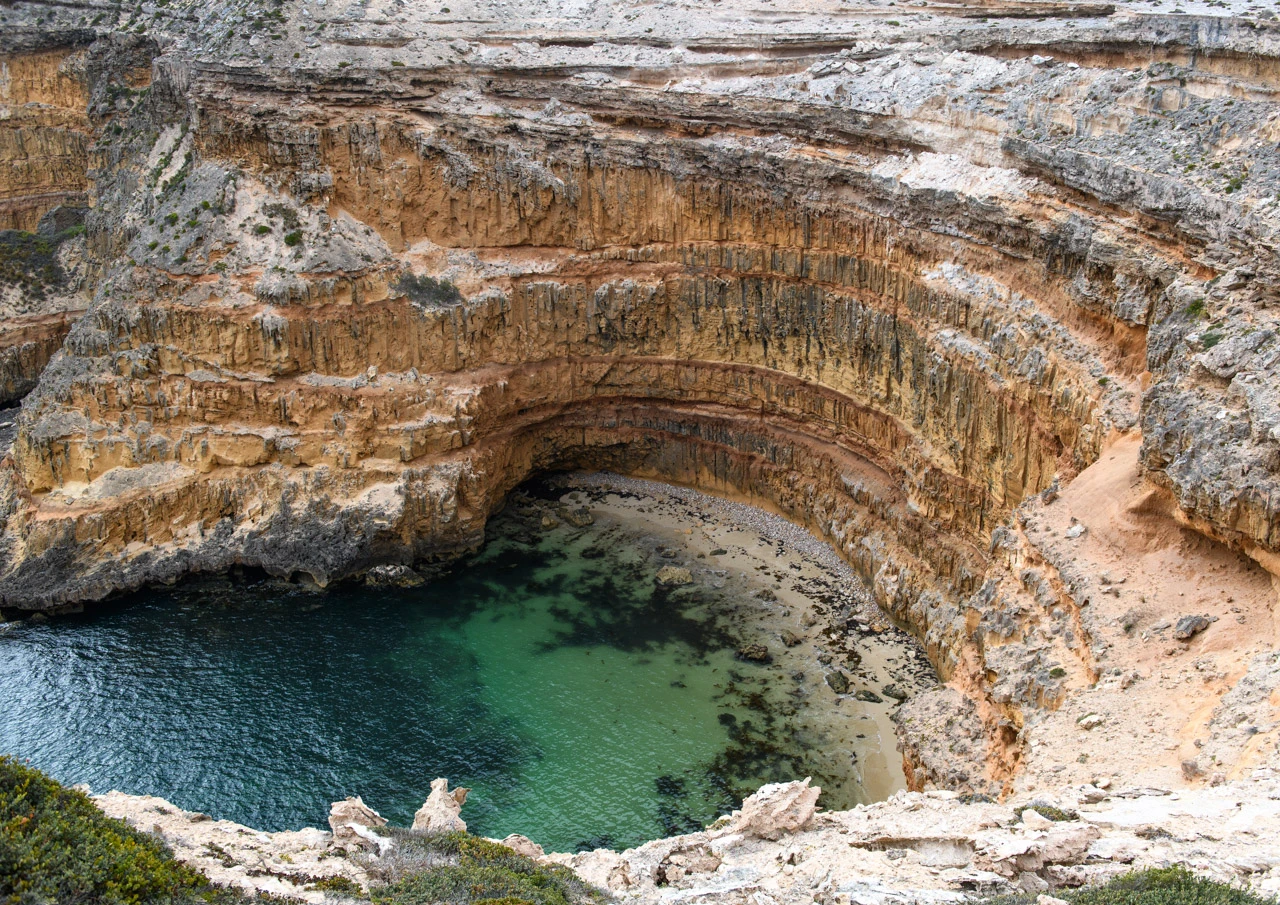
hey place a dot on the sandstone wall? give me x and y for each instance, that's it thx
(893, 290)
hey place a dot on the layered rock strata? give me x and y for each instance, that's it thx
(361, 269)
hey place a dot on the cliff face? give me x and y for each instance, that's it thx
(893, 279)
(44, 133)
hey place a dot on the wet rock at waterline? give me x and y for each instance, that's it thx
(674, 576)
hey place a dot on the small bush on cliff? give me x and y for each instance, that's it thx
(461, 869)
(29, 260)
(1155, 886)
(57, 847)
(428, 292)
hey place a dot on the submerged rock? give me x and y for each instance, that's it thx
(754, 653)
(440, 812)
(674, 576)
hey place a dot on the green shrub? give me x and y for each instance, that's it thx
(262, 229)
(56, 846)
(340, 885)
(1155, 886)
(461, 869)
(30, 260)
(1047, 811)
(428, 292)
(293, 238)
(288, 216)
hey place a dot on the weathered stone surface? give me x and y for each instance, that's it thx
(775, 810)
(913, 285)
(440, 813)
(674, 576)
(1190, 626)
(523, 845)
(395, 576)
(350, 820)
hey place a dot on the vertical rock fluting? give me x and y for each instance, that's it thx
(44, 132)
(893, 314)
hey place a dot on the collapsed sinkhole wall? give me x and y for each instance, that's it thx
(894, 347)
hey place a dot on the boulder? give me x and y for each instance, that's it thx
(1190, 626)
(579, 518)
(523, 845)
(352, 821)
(393, 576)
(778, 808)
(440, 812)
(674, 576)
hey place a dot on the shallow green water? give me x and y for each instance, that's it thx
(581, 703)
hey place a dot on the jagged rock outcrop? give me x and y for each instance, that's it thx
(440, 813)
(352, 821)
(360, 270)
(916, 847)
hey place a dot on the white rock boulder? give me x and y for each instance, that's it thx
(778, 808)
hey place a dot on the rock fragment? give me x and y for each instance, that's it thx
(778, 808)
(1189, 626)
(393, 576)
(522, 845)
(674, 576)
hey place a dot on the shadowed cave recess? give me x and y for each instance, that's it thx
(325, 284)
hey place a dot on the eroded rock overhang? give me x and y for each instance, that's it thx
(891, 286)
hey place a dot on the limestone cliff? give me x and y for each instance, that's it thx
(362, 268)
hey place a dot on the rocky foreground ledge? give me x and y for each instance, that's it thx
(779, 848)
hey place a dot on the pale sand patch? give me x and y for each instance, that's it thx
(1135, 572)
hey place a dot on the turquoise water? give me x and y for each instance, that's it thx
(583, 704)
